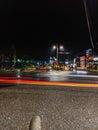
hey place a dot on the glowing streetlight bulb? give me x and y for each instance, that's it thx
(61, 47)
(54, 47)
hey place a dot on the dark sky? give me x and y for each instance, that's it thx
(34, 26)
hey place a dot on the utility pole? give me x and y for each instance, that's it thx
(89, 29)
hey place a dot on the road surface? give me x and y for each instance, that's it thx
(60, 108)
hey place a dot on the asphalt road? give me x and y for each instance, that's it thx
(60, 108)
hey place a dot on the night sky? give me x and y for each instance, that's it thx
(34, 26)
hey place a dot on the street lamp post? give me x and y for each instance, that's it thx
(57, 50)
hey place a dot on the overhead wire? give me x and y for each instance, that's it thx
(88, 23)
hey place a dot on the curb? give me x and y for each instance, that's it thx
(35, 123)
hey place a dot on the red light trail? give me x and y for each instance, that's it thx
(15, 80)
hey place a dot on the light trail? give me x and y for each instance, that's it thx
(71, 75)
(86, 76)
(36, 82)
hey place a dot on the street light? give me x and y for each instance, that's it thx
(57, 50)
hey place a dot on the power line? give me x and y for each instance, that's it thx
(88, 23)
